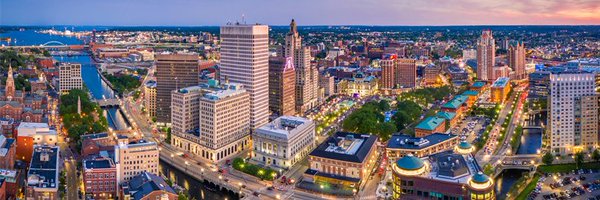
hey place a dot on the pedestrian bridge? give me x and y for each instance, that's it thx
(105, 103)
(524, 162)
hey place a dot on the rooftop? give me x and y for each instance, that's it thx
(285, 127)
(470, 93)
(430, 123)
(410, 162)
(213, 90)
(98, 163)
(410, 142)
(445, 166)
(478, 84)
(446, 115)
(456, 102)
(345, 146)
(145, 183)
(94, 136)
(5, 145)
(43, 169)
(500, 82)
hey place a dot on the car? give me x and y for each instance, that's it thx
(255, 193)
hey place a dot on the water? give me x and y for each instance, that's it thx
(531, 141)
(99, 89)
(196, 188)
(506, 180)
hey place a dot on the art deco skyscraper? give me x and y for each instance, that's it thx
(173, 71)
(486, 56)
(245, 60)
(307, 79)
(516, 60)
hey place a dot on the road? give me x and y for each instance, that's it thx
(69, 162)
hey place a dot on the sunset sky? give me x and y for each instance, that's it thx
(306, 12)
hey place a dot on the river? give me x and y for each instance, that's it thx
(100, 90)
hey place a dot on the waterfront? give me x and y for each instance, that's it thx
(100, 90)
(506, 180)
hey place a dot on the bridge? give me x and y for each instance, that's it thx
(105, 103)
(523, 161)
(50, 45)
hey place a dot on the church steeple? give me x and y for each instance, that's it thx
(9, 90)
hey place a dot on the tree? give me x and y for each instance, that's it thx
(596, 155)
(548, 158)
(579, 159)
(384, 105)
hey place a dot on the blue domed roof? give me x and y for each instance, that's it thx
(410, 162)
(480, 178)
(464, 145)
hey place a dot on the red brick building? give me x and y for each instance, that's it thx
(100, 177)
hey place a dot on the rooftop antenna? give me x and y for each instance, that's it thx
(243, 19)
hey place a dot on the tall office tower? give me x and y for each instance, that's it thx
(307, 77)
(245, 60)
(282, 86)
(69, 77)
(327, 82)
(211, 120)
(406, 74)
(173, 71)
(573, 115)
(486, 56)
(135, 158)
(150, 98)
(516, 60)
(388, 73)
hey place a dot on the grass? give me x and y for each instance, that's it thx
(567, 167)
(529, 188)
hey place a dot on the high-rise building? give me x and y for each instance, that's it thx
(173, 71)
(539, 83)
(327, 82)
(398, 73)
(69, 75)
(245, 60)
(150, 98)
(282, 86)
(406, 75)
(516, 60)
(486, 56)
(135, 158)
(573, 112)
(307, 76)
(211, 120)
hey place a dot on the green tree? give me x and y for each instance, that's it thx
(384, 105)
(596, 155)
(579, 159)
(548, 158)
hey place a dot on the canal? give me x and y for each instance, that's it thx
(99, 90)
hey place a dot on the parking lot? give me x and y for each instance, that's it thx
(471, 128)
(581, 184)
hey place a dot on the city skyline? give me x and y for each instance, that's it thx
(310, 12)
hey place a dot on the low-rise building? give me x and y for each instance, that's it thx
(135, 158)
(450, 117)
(472, 97)
(30, 134)
(478, 86)
(146, 186)
(430, 125)
(100, 178)
(457, 105)
(42, 177)
(12, 183)
(284, 141)
(500, 90)
(360, 85)
(401, 145)
(445, 175)
(343, 159)
(92, 144)
(8, 150)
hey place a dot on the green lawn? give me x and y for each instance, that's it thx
(567, 167)
(529, 188)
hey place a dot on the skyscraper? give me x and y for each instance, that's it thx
(282, 86)
(307, 76)
(173, 71)
(516, 60)
(398, 73)
(406, 74)
(486, 56)
(573, 112)
(245, 60)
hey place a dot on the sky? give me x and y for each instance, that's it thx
(306, 12)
